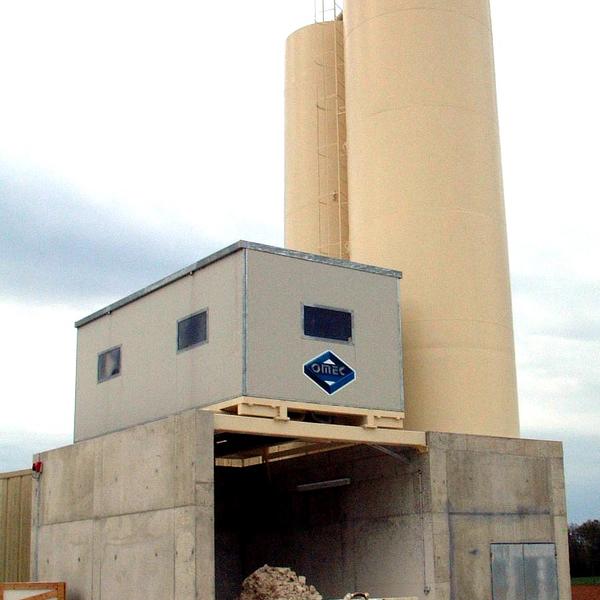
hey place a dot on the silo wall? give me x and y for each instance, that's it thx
(425, 196)
(315, 177)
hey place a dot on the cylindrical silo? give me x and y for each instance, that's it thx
(316, 213)
(425, 197)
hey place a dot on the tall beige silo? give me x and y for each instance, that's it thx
(316, 199)
(425, 197)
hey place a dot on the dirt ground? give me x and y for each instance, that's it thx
(586, 592)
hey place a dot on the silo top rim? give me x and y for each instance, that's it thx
(308, 26)
(237, 246)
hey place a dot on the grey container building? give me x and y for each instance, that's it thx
(236, 324)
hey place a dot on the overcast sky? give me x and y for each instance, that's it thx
(137, 137)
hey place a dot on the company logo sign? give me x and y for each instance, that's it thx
(329, 372)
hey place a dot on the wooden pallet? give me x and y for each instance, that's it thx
(307, 428)
(286, 410)
(33, 591)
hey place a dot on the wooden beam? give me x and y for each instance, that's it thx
(268, 407)
(319, 432)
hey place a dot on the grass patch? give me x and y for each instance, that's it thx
(585, 580)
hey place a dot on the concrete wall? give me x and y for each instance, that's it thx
(397, 529)
(139, 513)
(363, 537)
(15, 525)
(129, 514)
(488, 490)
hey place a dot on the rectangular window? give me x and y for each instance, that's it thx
(192, 330)
(327, 323)
(109, 364)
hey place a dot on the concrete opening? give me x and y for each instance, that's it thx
(348, 520)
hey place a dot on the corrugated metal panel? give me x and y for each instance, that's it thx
(15, 525)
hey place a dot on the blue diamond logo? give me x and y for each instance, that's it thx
(329, 372)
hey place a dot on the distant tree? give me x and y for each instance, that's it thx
(577, 559)
(584, 549)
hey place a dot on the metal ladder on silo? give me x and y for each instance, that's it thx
(333, 203)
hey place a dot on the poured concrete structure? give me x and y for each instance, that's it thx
(143, 514)
(129, 514)
(422, 527)
(256, 346)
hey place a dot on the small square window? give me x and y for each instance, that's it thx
(109, 364)
(327, 323)
(192, 330)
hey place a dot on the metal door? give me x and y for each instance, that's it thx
(524, 572)
(508, 582)
(539, 566)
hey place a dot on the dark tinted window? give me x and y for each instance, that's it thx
(191, 331)
(327, 323)
(109, 364)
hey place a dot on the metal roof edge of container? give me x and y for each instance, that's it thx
(216, 256)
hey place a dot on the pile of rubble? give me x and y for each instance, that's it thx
(277, 583)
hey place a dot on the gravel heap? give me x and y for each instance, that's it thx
(277, 583)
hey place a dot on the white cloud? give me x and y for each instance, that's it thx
(37, 359)
(170, 109)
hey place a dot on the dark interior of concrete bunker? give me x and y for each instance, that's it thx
(349, 520)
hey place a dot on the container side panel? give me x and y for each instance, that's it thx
(278, 348)
(157, 379)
